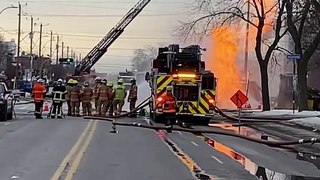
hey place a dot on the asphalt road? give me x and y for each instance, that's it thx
(74, 148)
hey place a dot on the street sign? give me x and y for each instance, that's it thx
(239, 99)
(293, 56)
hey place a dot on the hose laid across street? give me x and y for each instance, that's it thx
(194, 131)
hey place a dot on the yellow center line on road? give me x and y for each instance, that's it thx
(76, 162)
(67, 159)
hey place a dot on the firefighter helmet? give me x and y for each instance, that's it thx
(169, 88)
(120, 81)
(104, 81)
(86, 84)
(75, 82)
(40, 81)
(132, 80)
(70, 81)
(60, 80)
(110, 84)
(98, 79)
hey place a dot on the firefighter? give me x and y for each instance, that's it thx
(119, 94)
(95, 93)
(132, 99)
(75, 99)
(69, 86)
(168, 104)
(103, 96)
(59, 94)
(86, 97)
(38, 92)
(110, 104)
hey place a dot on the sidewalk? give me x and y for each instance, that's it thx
(308, 119)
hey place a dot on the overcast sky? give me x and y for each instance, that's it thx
(153, 27)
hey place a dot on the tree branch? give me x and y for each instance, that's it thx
(304, 15)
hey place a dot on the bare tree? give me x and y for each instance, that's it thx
(142, 58)
(303, 19)
(229, 12)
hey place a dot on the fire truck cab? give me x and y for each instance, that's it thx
(193, 87)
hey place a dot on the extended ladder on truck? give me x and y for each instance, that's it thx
(102, 47)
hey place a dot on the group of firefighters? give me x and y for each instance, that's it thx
(108, 99)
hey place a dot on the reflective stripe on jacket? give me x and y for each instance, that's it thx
(58, 96)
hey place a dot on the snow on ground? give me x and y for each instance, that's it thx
(313, 122)
(286, 112)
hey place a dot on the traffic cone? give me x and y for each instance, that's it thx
(46, 106)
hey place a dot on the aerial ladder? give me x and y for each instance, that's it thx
(102, 47)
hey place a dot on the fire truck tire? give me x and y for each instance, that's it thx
(204, 121)
(156, 117)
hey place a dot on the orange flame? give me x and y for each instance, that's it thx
(224, 55)
(227, 44)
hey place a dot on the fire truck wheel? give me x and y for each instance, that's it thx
(157, 118)
(204, 121)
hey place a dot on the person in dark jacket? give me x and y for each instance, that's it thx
(59, 96)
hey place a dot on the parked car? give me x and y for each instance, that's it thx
(6, 102)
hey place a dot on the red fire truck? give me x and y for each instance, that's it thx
(193, 87)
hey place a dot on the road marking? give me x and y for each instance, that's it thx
(180, 132)
(5, 124)
(75, 164)
(218, 160)
(14, 177)
(194, 143)
(65, 162)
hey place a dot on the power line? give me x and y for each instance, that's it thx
(96, 2)
(99, 15)
(101, 36)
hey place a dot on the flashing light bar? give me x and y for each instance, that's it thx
(184, 76)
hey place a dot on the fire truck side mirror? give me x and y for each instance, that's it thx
(147, 77)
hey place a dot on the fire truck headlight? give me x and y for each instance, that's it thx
(211, 101)
(159, 99)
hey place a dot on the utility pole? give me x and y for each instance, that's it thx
(18, 50)
(40, 41)
(247, 51)
(19, 31)
(57, 49)
(51, 41)
(67, 51)
(62, 49)
(71, 53)
(31, 46)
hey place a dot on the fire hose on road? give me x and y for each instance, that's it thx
(195, 131)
